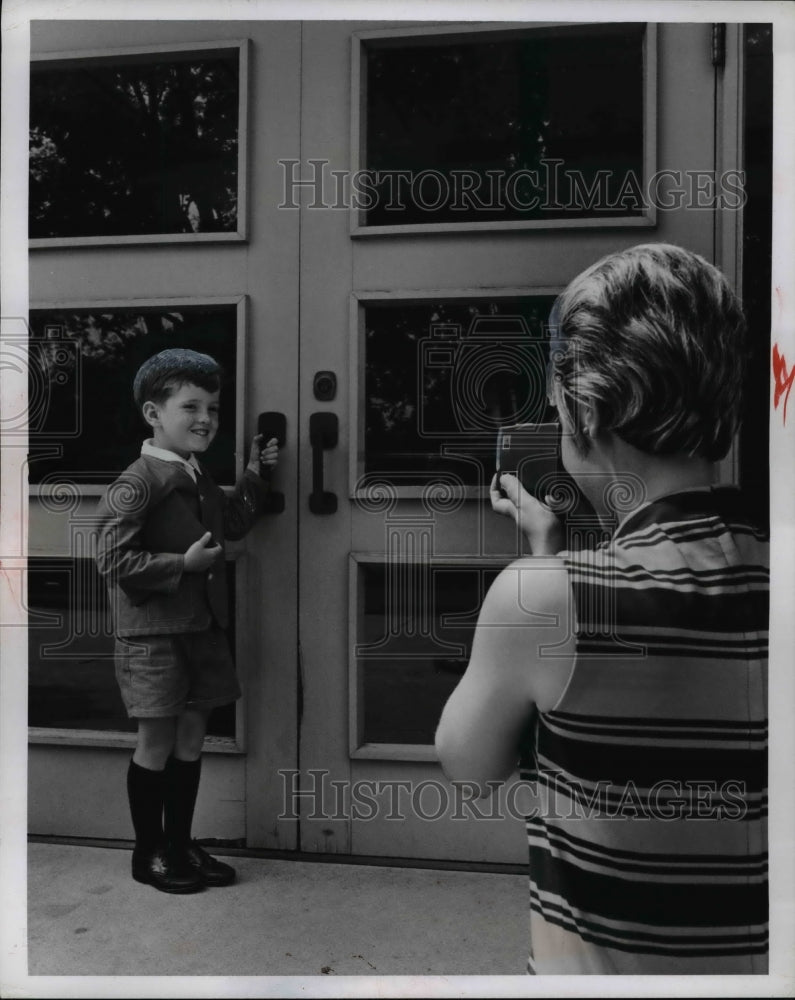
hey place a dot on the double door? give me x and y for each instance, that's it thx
(394, 313)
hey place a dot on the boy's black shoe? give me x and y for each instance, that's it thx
(166, 870)
(211, 871)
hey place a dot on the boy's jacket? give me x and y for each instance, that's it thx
(148, 518)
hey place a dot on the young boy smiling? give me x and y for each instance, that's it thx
(161, 542)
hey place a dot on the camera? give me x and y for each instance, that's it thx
(472, 382)
(531, 452)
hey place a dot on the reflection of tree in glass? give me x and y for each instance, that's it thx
(133, 149)
(105, 337)
(109, 345)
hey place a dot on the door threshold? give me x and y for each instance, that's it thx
(235, 850)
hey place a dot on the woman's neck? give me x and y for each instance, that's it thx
(647, 477)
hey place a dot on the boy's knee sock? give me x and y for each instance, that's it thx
(181, 788)
(145, 792)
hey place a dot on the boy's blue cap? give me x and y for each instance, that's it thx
(176, 360)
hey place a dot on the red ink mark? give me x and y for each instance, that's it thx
(782, 380)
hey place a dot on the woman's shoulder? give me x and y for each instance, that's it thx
(532, 600)
(528, 590)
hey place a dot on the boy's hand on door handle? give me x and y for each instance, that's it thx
(263, 459)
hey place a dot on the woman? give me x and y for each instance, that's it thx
(635, 673)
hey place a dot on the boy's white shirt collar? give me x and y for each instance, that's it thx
(190, 465)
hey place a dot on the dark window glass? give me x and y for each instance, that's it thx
(71, 676)
(415, 638)
(144, 145)
(82, 365)
(510, 128)
(441, 377)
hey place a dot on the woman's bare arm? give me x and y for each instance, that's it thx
(512, 669)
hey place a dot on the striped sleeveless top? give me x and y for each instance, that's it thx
(648, 847)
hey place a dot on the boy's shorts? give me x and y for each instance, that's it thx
(160, 675)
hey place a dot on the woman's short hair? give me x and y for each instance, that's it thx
(654, 338)
(162, 374)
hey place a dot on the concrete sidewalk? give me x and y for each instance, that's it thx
(86, 916)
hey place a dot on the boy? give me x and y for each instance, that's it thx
(162, 527)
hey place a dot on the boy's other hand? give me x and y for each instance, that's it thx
(263, 458)
(200, 556)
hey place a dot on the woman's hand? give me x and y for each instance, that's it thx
(540, 525)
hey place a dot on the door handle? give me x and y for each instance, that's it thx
(273, 425)
(323, 433)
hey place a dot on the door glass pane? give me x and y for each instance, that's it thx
(476, 128)
(70, 651)
(144, 144)
(414, 637)
(441, 377)
(82, 364)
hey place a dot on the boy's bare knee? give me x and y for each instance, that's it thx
(191, 729)
(156, 739)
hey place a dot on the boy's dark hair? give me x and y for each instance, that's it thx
(163, 373)
(654, 338)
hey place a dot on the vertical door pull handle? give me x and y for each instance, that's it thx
(323, 434)
(273, 425)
